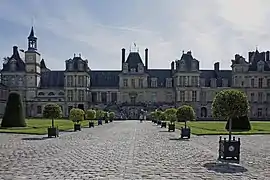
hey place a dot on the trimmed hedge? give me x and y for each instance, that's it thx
(14, 112)
(239, 124)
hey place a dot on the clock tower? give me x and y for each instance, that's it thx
(32, 67)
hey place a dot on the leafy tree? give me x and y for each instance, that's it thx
(90, 114)
(111, 115)
(158, 114)
(229, 104)
(170, 114)
(76, 115)
(100, 114)
(185, 113)
(162, 116)
(14, 112)
(52, 111)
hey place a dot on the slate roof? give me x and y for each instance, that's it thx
(160, 74)
(133, 60)
(219, 75)
(255, 58)
(105, 78)
(20, 65)
(52, 79)
(76, 61)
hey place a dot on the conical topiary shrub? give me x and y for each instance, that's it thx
(14, 112)
(239, 124)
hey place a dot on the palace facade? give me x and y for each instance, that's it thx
(135, 86)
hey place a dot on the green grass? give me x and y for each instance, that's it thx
(39, 126)
(218, 128)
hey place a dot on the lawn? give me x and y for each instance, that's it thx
(218, 128)
(39, 126)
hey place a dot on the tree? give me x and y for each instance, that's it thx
(162, 116)
(14, 112)
(100, 114)
(111, 115)
(76, 115)
(90, 114)
(52, 111)
(229, 104)
(170, 114)
(158, 114)
(185, 113)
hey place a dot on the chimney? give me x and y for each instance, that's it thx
(216, 66)
(15, 49)
(123, 55)
(172, 66)
(250, 54)
(146, 58)
(267, 56)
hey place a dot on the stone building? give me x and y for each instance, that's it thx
(135, 86)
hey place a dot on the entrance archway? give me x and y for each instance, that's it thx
(203, 112)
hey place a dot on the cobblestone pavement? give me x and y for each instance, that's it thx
(128, 150)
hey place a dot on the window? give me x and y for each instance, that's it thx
(259, 112)
(169, 82)
(153, 82)
(70, 95)
(94, 97)
(252, 97)
(154, 97)
(268, 82)
(39, 110)
(194, 96)
(260, 97)
(260, 82)
(181, 81)
(41, 94)
(268, 97)
(51, 94)
(69, 108)
(125, 83)
(81, 95)
(133, 84)
(69, 81)
(140, 83)
(252, 83)
(169, 97)
(103, 97)
(81, 81)
(203, 96)
(114, 97)
(182, 96)
(194, 81)
(61, 93)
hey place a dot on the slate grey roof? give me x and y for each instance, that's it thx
(133, 60)
(20, 65)
(104, 78)
(219, 75)
(161, 74)
(76, 61)
(42, 64)
(52, 79)
(255, 58)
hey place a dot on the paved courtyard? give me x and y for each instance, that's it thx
(128, 150)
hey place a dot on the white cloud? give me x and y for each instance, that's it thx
(213, 29)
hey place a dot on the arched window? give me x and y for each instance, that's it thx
(41, 93)
(61, 93)
(51, 94)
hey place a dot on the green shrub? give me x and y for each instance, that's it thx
(111, 115)
(52, 111)
(185, 113)
(170, 114)
(76, 115)
(14, 112)
(90, 114)
(100, 114)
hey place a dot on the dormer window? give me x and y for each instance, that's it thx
(133, 70)
(70, 66)
(260, 66)
(125, 67)
(168, 82)
(41, 94)
(13, 65)
(81, 66)
(182, 65)
(194, 66)
(140, 67)
(153, 82)
(51, 94)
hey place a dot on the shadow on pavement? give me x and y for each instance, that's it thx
(178, 139)
(35, 138)
(225, 167)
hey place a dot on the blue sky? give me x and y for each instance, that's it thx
(214, 30)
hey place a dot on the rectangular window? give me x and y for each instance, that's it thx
(140, 83)
(182, 96)
(259, 112)
(252, 97)
(81, 95)
(260, 82)
(260, 97)
(39, 110)
(268, 82)
(125, 83)
(181, 81)
(69, 81)
(70, 95)
(104, 97)
(252, 83)
(114, 97)
(80, 81)
(194, 96)
(133, 83)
